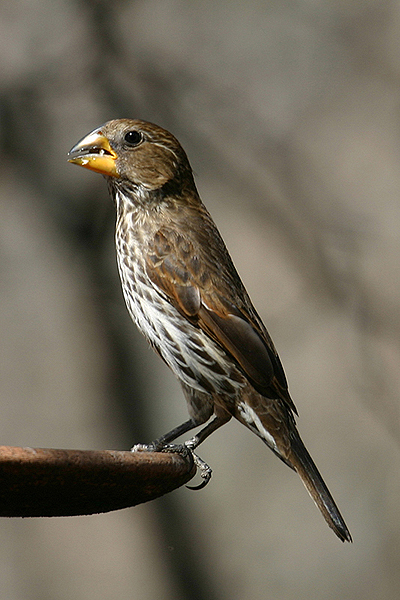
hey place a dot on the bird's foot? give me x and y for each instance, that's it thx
(205, 472)
(143, 448)
(184, 450)
(159, 447)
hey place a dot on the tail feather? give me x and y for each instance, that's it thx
(312, 479)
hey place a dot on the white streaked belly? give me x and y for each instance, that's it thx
(186, 349)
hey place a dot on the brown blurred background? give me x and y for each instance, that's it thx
(290, 114)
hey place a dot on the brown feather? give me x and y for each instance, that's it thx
(207, 292)
(186, 296)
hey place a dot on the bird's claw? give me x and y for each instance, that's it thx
(144, 448)
(184, 450)
(205, 472)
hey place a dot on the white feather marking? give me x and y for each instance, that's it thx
(155, 316)
(255, 424)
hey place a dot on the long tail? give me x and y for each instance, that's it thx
(311, 477)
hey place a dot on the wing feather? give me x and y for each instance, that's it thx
(214, 299)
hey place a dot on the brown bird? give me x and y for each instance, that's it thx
(185, 295)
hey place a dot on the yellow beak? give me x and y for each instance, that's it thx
(95, 153)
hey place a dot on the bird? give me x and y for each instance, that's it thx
(183, 292)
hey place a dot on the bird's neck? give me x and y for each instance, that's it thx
(156, 207)
(142, 212)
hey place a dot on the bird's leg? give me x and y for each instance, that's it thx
(205, 470)
(163, 444)
(195, 441)
(212, 426)
(169, 437)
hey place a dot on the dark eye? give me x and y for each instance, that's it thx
(133, 137)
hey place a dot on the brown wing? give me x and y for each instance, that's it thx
(209, 292)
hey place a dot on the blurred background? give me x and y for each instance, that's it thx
(290, 114)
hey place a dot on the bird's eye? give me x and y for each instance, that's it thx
(133, 137)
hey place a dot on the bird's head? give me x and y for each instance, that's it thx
(125, 149)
